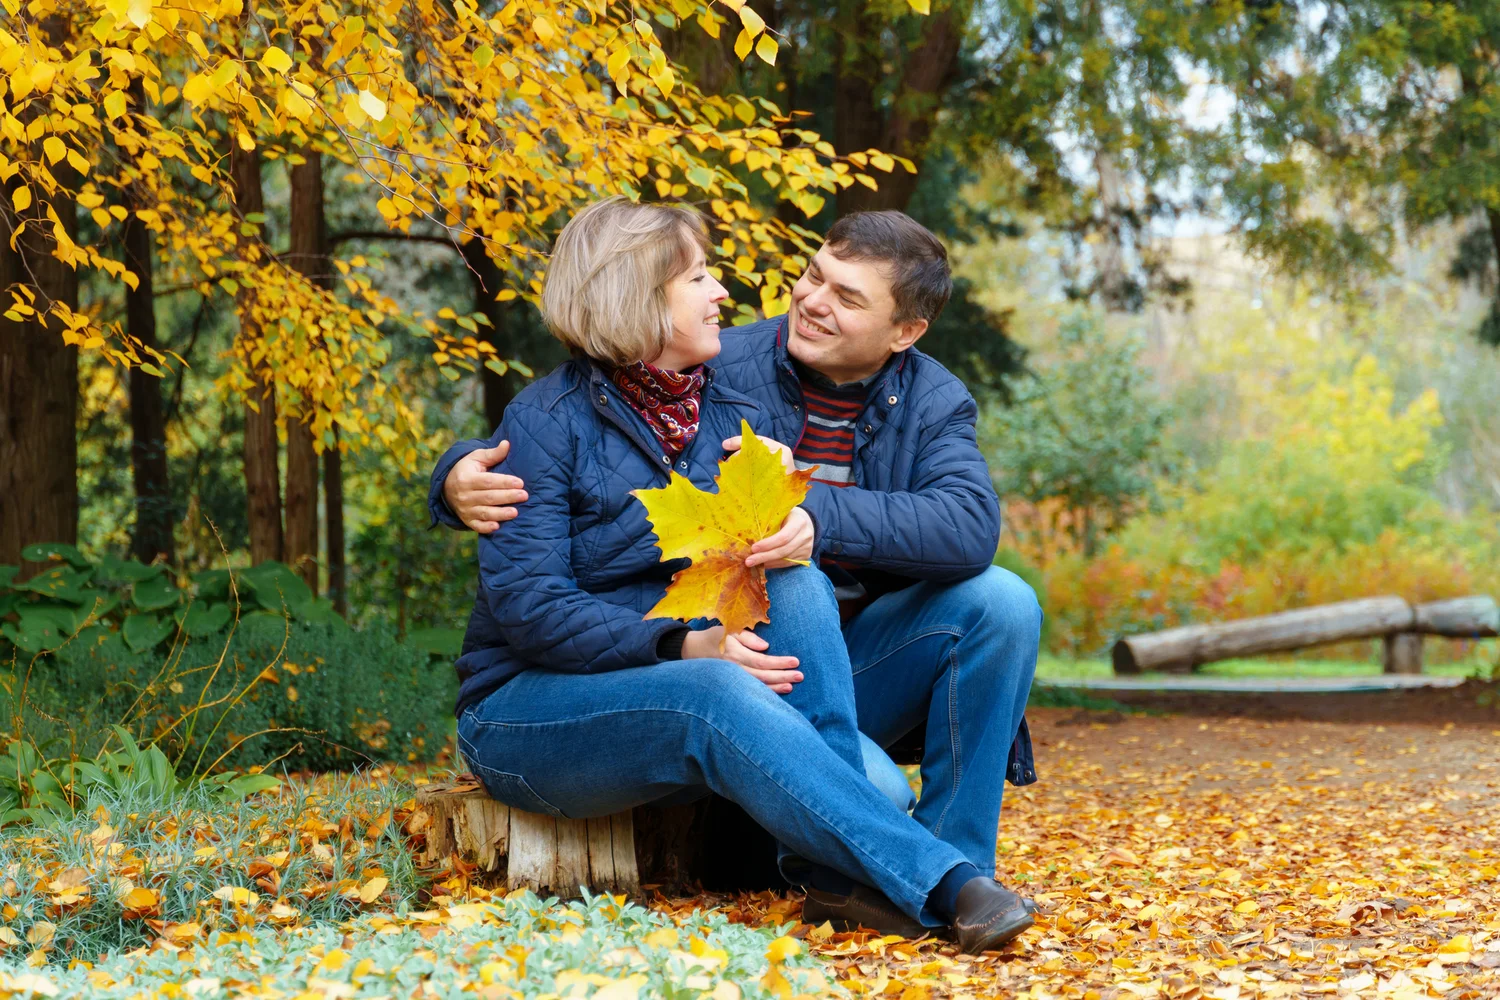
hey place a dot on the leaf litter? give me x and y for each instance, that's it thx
(1171, 858)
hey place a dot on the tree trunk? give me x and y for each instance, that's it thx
(38, 374)
(1112, 280)
(262, 478)
(929, 72)
(148, 428)
(333, 523)
(485, 280)
(307, 254)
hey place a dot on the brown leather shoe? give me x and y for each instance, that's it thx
(864, 907)
(989, 915)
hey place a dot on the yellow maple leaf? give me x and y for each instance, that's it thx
(716, 530)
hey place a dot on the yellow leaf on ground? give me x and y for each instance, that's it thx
(371, 890)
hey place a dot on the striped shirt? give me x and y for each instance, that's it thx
(827, 443)
(827, 446)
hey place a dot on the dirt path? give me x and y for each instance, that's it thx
(1211, 858)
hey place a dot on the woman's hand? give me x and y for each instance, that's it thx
(778, 449)
(747, 650)
(791, 546)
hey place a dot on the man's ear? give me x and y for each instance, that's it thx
(908, 333)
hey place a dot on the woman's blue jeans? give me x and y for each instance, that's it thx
(581, 745)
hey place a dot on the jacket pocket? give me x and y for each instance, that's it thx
(514, 791)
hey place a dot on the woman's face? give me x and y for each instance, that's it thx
(693, 299)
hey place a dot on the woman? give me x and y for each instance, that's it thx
(571, 703)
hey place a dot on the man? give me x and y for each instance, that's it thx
(906, 525)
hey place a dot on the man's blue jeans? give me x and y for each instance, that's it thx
(581, 745)
(960, 656)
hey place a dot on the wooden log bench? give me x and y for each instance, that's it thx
(709, 844)
(1400, 625)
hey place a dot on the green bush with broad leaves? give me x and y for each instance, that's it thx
(146, 604)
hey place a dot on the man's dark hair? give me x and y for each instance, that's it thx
(920, 279)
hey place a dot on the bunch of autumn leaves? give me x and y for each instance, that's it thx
(462, 122)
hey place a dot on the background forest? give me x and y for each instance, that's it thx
(1227, 283)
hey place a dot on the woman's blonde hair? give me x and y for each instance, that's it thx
(605, 293)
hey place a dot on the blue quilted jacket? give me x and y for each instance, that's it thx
(567, 588)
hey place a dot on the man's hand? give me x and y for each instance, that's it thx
(478, 497)
(780, 450)
(791, 546)
(747, 650)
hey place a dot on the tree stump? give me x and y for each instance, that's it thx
(707, 844)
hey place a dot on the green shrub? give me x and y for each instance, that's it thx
(296, 694)
(147, 605)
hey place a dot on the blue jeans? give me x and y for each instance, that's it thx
(960, 656)
(582, 745)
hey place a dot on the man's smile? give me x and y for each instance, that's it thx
(810, 329)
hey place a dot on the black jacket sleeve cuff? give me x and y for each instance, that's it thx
(669, 646)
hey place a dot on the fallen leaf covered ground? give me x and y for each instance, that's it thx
(1193, 858)
(1173, 857)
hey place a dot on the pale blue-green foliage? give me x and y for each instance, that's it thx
(1086, 427)
(569, 949)
(36, 789)
(166, 832)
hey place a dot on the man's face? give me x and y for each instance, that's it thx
(841, 322)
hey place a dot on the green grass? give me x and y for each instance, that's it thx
(1051, 667)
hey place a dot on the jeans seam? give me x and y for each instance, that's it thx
(939, 630)
(954, 746)
(915, 890)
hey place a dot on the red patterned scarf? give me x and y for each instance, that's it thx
(667, 401)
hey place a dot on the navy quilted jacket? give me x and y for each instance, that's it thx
(922, 507)
(568, 587)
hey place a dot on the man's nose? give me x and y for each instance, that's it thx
(817, 302)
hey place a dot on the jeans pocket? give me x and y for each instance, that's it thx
(514, 791)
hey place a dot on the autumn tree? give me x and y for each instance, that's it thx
(480, 127)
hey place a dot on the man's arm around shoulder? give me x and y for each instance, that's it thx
(464, 492)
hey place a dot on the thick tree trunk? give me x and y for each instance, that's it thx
(262, 478)
(307, 254)
(38, 393)
(929, 72)
(148, 428)
(38, 375)
(485, 281)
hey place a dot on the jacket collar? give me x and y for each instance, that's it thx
(890, 383)
(607, 401)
